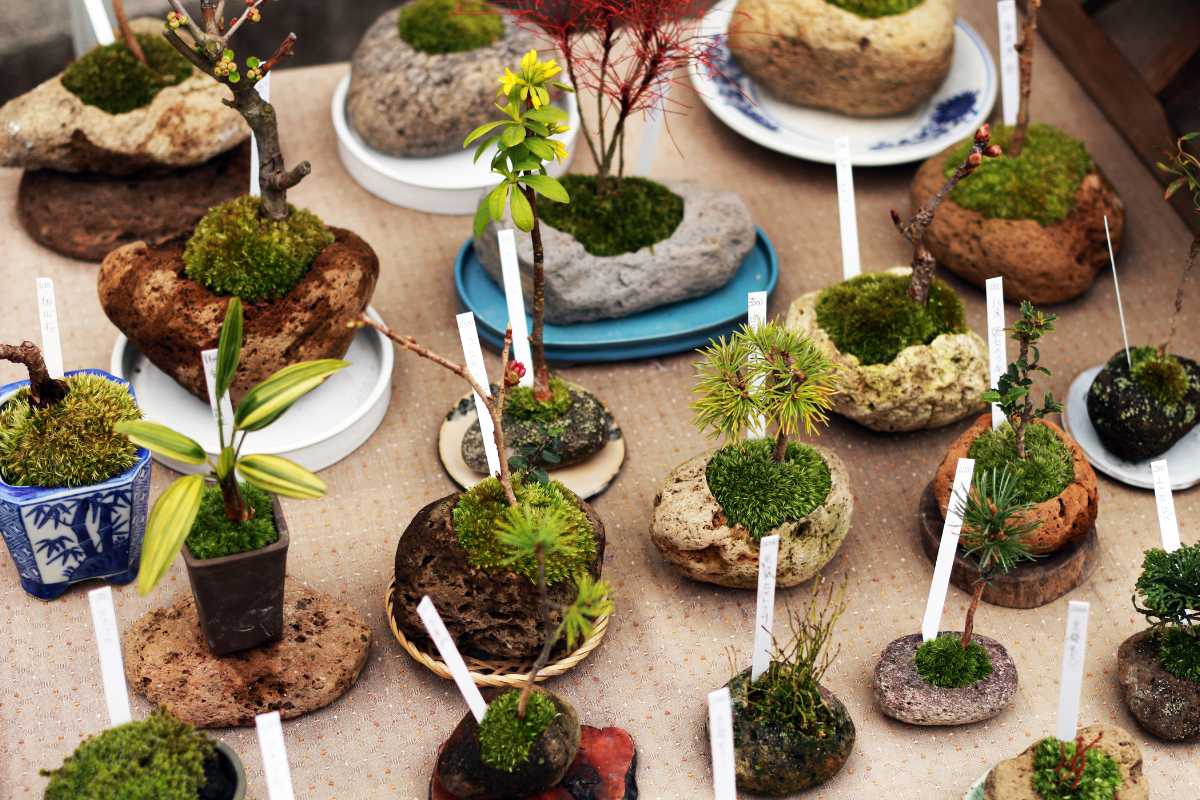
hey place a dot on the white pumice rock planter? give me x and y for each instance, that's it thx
(689, 528)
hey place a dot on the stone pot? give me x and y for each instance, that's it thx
(60, 537)
(1132, 424)
(1064, 519)
(226, 775)
(1047, 264)
(1164, 704)
(689, 528)
(1013, 779)
(172, 319)
(902, 694)
(239, 598)
(813, 53)
(701, 256)
(925, 386)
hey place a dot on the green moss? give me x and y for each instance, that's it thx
(1045, 471)
(505, 739)
(215, 535)
(158, 757)
(520, 403)
(784, 697)
(235, 251)
(1100, 780)
(1040, 184)
(876, 8)
(873, 318)
(943, 662)
(71, 443)
(479, 508)
(449, 26)
(1161, 376)
(642, 214)
(111, 79)
(758, 492)
(1179, 652)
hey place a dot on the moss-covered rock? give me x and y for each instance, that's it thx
(876, 8)
(944, 662)
(1165, 704)
(760, 493)
(1013, 779)
(113, 80)
(505, 737)
(1044, 473)
(214, 535)
(1141, 413)
(640, 214)
(449, 26)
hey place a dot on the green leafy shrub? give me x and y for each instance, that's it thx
(944, 662)
(1159, 375)
(113, 80)
(640, 213)
(1047, 470)
(214, 534)
(876, 8)
(521, 404)
(1169, 591)
(449, 26)
(1055, 775)
(236, 251)
(1179, 653)
(1039, 184)
(71, 443)
(505, 739)
(158, 757)
(760, 493)
(872, 317)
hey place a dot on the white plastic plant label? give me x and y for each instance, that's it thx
(263, 87)
(847, 213)
(720, 740)
(454, 660)
(473, 355)
(1112, 259)
(97, 16)
(651, 133)
(209, 359)
(112, 666)
(764, 618)
(510, 267)
(1010, 70)
(52, 352)
(1071, 683)
(274, 756)
(997, 346)
(1168, 524)
(756, 315)
(932, 622)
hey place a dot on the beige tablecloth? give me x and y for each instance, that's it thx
(670, 640)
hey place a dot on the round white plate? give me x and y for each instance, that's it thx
(954, 112)
(1183, 458)
(976, 790)
(322, 428)
(586, 479)
(449, 184)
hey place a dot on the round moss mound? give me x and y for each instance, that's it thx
(1040, 184)
(1159, 375)
(943, 662)
(1100, 780)
(449, 26)
(215, 535)
(872, 317)
(71, 443)
(237, 252)
(520, 403)
(158, 757)
(640, 214)
(876, 8)
(111, 79)
(760, 493)
(783, 697)
(505, 739)
(480, 508)
(1045, 471)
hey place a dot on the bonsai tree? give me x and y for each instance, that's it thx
(226, 517)
(1075, 770)
(1185, 167)
(1169, 593)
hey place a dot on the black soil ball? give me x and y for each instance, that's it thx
(1134, 422)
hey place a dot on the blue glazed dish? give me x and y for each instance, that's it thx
(60, 537)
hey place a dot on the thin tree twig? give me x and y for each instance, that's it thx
(43, 390)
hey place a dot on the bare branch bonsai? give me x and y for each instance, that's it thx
(1025, 50)
(43, 390)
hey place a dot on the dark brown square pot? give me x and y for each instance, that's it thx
(239, 598)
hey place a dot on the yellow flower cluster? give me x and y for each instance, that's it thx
(531, 79)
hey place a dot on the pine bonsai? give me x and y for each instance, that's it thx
(1169, 590)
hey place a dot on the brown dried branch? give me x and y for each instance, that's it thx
(127, 34)
(1025, 50)
(1193, 259)
(281, 52)
(43, 390)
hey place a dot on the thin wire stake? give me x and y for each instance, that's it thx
(1117, 285)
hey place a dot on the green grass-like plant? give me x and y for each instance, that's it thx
(641, 213)
(1046, 471)
(1158, 374)
(873, 318)
(237, 251)
(215, 535)
(113, 80)
(505, 739)
(71, 443)
(876, 8)
(758, 492)
(944, 662)
(449, 26)
(1074, 771)
(521, 403)
(158, 757)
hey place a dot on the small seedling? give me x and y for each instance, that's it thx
(1013, 393)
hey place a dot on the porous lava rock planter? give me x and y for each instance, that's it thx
(1013, 779)
(1137, 416)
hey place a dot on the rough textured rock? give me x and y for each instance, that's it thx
(925, 386)
(902, 694)
(1040, 264)
(689, 528)
(701, 256)
(184, 125)
(1064, 519)
(407, 103)
(585, 432)
(813, 53)
(324, 648)
(493, 616)
(172, 318)
(1133, 424)
(1165, 705)
(1012, 779)
(87, 215)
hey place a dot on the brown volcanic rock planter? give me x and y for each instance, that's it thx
(172, 318)
(1040, 264)
(1164, 704)
(1064, 519)
(1012, 779)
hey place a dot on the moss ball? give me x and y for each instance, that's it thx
(236, 251)
(71, 443)
(449, 26)
(505, 738)
(876, 8)
(1160, 375)
(872, 317)
(1046, 470)
(943, 662)
(642, 213)
(215, 535)
(1039, 184)
(1101, 778)
(111, 79)
(759, 493)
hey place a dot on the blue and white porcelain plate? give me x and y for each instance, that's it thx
(960, 106)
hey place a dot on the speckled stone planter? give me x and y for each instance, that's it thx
(1164, 704)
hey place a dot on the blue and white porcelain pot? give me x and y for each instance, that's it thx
(59, 537)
